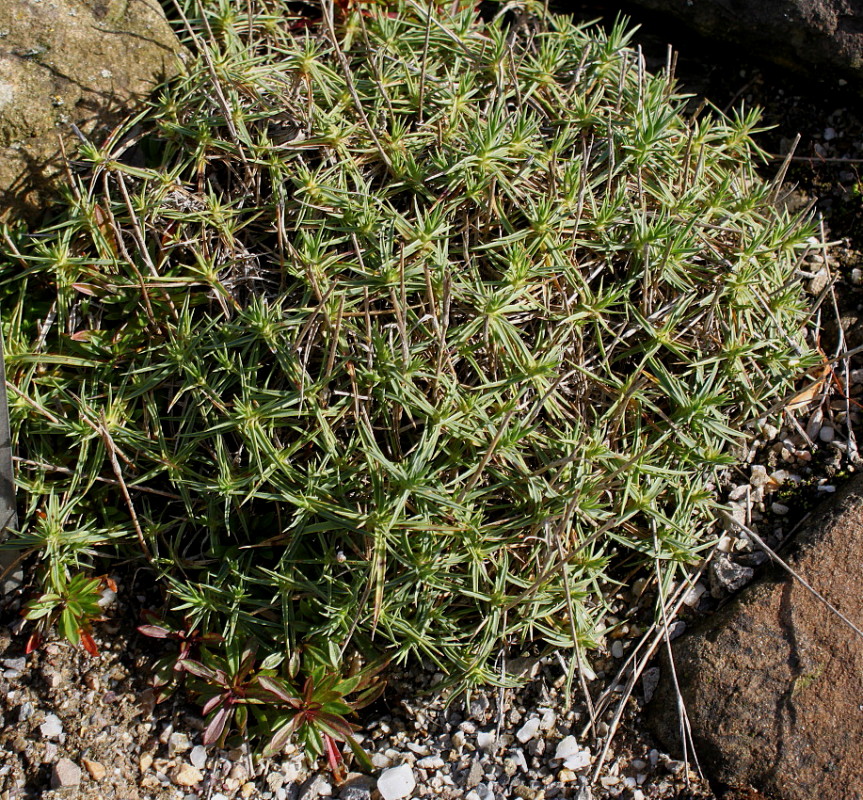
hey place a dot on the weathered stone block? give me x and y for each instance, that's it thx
(773, 682)
(65, 62)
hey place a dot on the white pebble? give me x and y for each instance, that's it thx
(739, 492)
(549, 718)
(107, 598)
(826, 434)
(527, 731)
(396, 782)
(51, 728)
(198, 756)
(578, 761)
(520, 760)
(381, 761)
(486, 741)
(567, 748)
(827, 487)
(178, 743)
(617, 648)
(758, 475)
(693, 594)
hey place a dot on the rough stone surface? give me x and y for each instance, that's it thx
(65, 62)
(65, 773)
(800, 34)
(772, 682)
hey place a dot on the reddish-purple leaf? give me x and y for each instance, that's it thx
(154, 631)
(198, 669)
(334, 758)
(216, 727)
(211, 704)
(335, 726)
(281, 736)
(275, 687)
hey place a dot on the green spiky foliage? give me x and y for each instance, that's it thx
(401, 328)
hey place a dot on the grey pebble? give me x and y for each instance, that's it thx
(676, 629)
(198, 757)
(649, 682)
(475, 775)
(484, 792)
(478, 706)
(18, 664)
(727, 576)
(359, 788)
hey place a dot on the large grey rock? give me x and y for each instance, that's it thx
(64, 62)
(773, 682)
(802, 34)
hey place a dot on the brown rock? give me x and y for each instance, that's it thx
(772, 683)
(805, 35)
(96, 770)
(65, 62)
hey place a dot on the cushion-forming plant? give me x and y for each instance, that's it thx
(399, 327)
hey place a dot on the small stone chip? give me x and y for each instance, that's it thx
(65, 773)
(396, 782)
(186, 775)
(18, 664)
(527, 731)
(475, 775)
(51, 728)
(198, 756)
(96, 770)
